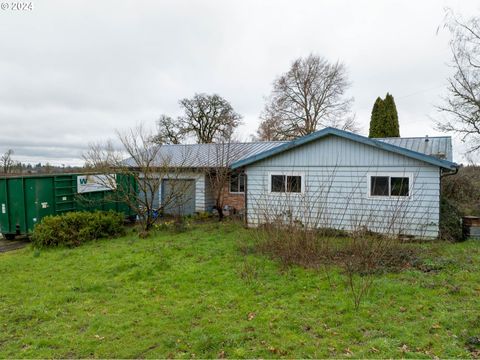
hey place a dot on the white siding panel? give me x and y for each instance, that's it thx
(209, 197)
(336, 189)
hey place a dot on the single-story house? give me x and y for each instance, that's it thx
(331, 178)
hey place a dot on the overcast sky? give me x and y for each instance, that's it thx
(71, 72)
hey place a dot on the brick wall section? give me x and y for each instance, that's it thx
(237, 201)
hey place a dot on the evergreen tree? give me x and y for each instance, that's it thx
(391, 121)
(376, 119)
(384, 120)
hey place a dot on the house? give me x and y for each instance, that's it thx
(337, 179)
(192, 168)
(331, 178)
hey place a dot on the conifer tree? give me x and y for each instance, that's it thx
(384, 119)
(391, 121)
(377, 119)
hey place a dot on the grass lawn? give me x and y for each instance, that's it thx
(195, 294)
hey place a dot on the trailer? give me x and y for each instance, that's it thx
(25, 200)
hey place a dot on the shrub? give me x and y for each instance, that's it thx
(462, 190)
(361, 251)
(360, 255)
(75, 228)
(450, 221)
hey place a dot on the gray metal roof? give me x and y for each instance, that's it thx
(437, 146)
(219, 155)
(208, 155)
(351, 136)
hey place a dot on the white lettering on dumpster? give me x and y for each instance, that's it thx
(91, 183)
(4, 209)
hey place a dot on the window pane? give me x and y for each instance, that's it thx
(234, 183)
(278, 183)
(399, 186)
(294, 184)
(241, 183)
(379, 186)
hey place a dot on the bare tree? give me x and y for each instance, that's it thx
(311, 95)
(142, 161)
(462, 105)
(168, 131)
(210, 118)
(7, 162)
(268, 129)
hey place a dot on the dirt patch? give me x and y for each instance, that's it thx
(9, 245)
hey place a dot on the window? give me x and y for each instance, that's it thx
(286, 183)
(399, 186)
(237, 183)
(389, 186)
(294, 184)
(379, 186)
(278, 183)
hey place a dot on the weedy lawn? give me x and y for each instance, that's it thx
(196, 294)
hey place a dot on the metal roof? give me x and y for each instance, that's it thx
(384, 145)
(437, 146)
(208, 155)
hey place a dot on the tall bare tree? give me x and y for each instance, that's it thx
(311, 95)
(209, 118)
(7, 162)
(462, 104)
(139, 158)
(168, 131)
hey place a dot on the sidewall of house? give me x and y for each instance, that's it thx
(335, 190)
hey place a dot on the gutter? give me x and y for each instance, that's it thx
(449, 173)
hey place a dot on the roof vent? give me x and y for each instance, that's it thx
(426, 138)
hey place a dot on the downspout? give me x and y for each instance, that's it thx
(245, 197)
(442, 175)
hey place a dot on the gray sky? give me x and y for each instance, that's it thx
(71, 72)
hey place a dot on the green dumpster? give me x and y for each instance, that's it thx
(25, 200)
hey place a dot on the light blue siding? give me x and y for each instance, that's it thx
(335, 190)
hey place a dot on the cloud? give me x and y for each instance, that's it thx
(73, 72)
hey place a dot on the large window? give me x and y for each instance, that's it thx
(387, 186)
(237, 183)
(285, 183)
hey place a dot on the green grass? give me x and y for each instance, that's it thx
(195, 294)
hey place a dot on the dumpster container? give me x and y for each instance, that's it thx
(25, 200)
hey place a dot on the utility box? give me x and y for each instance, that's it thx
(25, 200)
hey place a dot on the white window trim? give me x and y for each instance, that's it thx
(390, 175)
(236, 192)
(286, 173)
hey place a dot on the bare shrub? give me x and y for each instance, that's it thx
(360, 255)
(463, 190)
(329, 227)
(140, 159)
(360, 252)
